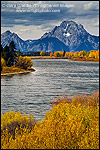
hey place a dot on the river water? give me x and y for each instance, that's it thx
(33, 93)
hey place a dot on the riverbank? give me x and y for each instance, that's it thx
(10, 74)
(9, 71)
(84, 59)
(73, 59)
(46, 57)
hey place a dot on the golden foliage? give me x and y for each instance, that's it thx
(51, 54)
(69, 54)
(73, 123)
(92, 55)
(42, 53)
(3, 63)
(58, 53)
(24, 62)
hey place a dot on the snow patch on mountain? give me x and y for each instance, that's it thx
(65, 28)
(66, 34)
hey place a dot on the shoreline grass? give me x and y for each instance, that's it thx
(84, 59)
(7, 71)
(46, 57)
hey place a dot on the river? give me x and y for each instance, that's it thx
(33, 93)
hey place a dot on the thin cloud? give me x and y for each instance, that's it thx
(91, 6)
(82, 11)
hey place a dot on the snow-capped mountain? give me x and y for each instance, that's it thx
(48, 44)
(69, 36)
(7, 37)
(74, 36)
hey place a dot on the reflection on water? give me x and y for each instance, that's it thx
(33, 92)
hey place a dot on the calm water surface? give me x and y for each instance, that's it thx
(33, 92)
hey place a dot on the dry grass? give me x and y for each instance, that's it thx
(11, 69)
(46, 57)
(15, 70)
(84, 59)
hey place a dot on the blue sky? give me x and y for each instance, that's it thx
(31, 19)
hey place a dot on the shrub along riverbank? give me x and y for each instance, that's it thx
(7, 71)
(73, 123)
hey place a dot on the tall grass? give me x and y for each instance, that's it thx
(11, 69)
(73, 123)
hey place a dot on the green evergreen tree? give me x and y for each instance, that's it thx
(6, 54)
(64, 53)
(9, 54)
(13, 54)
(1, 50)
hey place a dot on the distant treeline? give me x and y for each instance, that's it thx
(82, 54)
(93, 54)
(34, 54)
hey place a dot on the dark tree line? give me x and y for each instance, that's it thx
(10, 54)
(34, 54)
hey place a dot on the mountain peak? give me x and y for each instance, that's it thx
(8, 32)
(68, 22)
